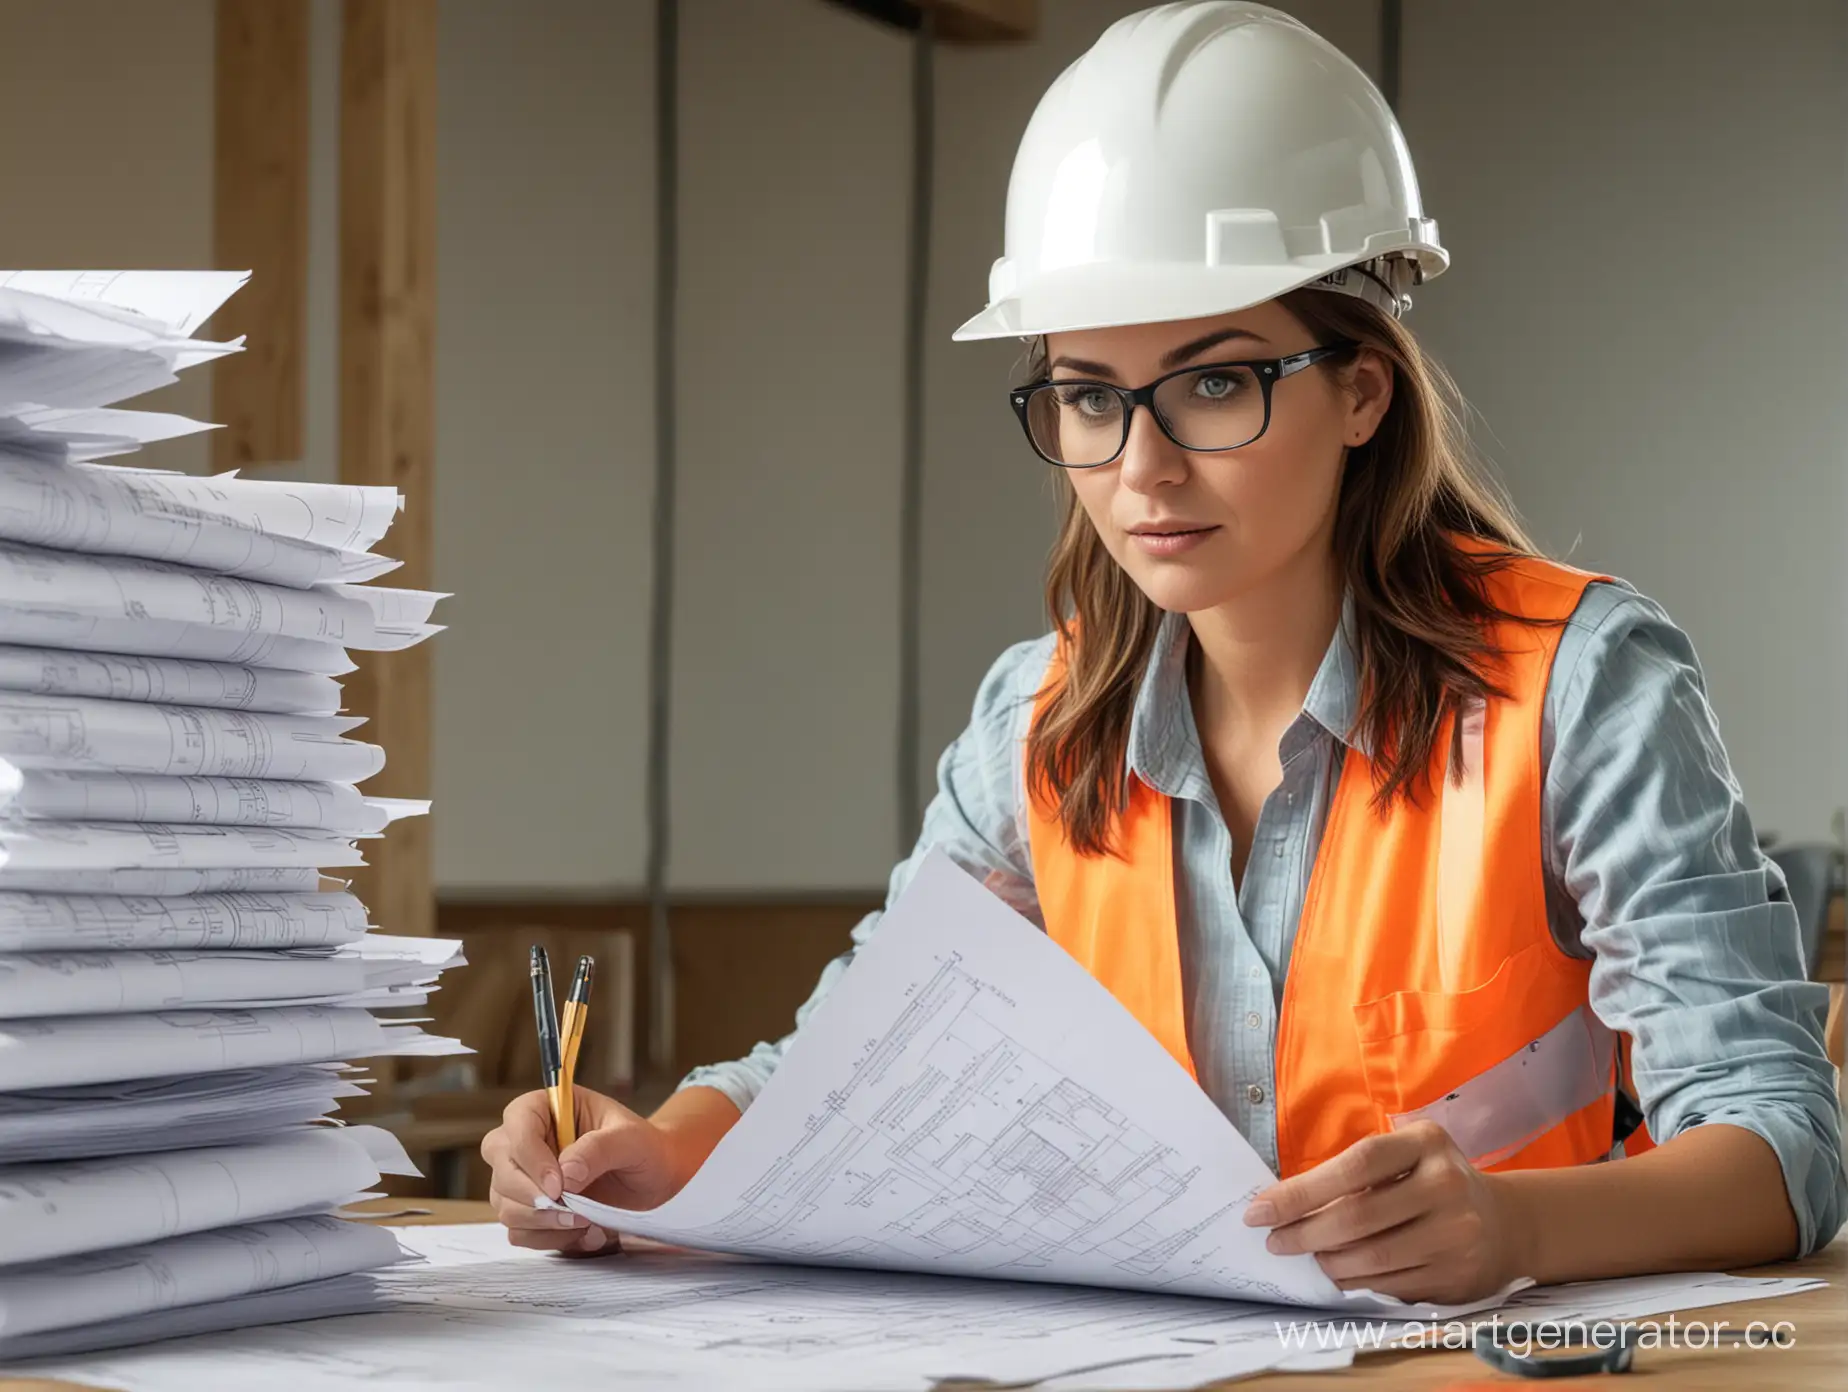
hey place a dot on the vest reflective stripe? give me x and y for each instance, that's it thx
(1511, 1104)
(1424, 980)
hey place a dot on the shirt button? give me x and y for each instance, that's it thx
(1254, 1094)
(1257, 973)
(1253, 1019)
(1289, 799)
(1279, 851)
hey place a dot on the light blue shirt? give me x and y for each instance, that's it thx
(1653, 874)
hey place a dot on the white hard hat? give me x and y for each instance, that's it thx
(1202, 158)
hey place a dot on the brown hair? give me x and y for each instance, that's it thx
(1420, 609)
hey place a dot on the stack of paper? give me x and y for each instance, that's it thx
(967, 1103)
(179, 985)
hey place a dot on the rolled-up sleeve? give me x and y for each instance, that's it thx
(976, 817)
(1694, 943)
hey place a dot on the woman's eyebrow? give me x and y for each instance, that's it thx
(1171, 359)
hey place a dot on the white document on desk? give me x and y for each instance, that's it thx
(56, 846)
(86, 634)
(73, 375)
(99, 922)
(61, 1208)
(72, 1050)
(80, 733)
(311, 1300)
(48, 326)
(165, 680)
(259, 879)
(53, 433)
(79, 587)
(675, 1320)
(209, 1109)
(181, 300)
(343, 516)
(379, 968)
(120, 1282)
(969, 1100)
(87, 795)
(124, 512)
(35, 985)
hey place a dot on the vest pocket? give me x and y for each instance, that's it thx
(1497, 1066)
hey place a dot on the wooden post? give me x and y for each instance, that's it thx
(985, 21)
(387, 415)
(260, 224)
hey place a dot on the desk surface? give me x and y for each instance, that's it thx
(1819, 1358)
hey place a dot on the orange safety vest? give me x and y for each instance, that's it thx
(1424, 981)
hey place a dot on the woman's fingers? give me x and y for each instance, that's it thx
(551, 1230)
(1392, 1253)
(1368, 1162)
(594, 1242)
(516, 1213)
(519, 1151)
(557, 1240)
(1353, 1218)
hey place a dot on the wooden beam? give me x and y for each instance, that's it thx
(387, 413)
(957, 21)
(260, 224)
(985, 21)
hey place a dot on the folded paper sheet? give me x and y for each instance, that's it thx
(208, 1109)
(97, 922)
(165, 681)
(970, 1100)
(62, 795)
(73, 1049)
(61, 1208)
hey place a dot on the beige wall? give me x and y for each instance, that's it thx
(106, 151)
(1646, 204)
(544, 453)
(1694, 168)
(792, 224)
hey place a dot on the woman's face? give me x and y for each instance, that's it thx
(1196, 530)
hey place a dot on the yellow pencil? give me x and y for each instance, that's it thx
(577, 1012)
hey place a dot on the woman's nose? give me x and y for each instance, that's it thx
(1150, 459)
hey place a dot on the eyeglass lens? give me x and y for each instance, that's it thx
(1080, 424)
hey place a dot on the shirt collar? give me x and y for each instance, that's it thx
(1164, 746)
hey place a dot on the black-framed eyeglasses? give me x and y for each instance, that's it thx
(1082, 424)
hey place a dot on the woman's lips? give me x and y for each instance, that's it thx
(1171, 541)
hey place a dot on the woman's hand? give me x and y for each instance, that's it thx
(618, 1158)
(1404, 1214)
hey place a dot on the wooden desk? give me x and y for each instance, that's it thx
(1819, 1358)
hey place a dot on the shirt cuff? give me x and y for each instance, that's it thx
(737, 1079)
(1808, 1150)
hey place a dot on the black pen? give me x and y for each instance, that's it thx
(545, 1012)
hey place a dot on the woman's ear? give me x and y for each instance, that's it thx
(1368, 384)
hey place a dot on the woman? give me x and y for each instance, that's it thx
(1420, 851)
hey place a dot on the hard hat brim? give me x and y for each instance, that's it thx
(1107, 295)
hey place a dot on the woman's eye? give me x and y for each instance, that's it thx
(1216, 386)
(1089, 401)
